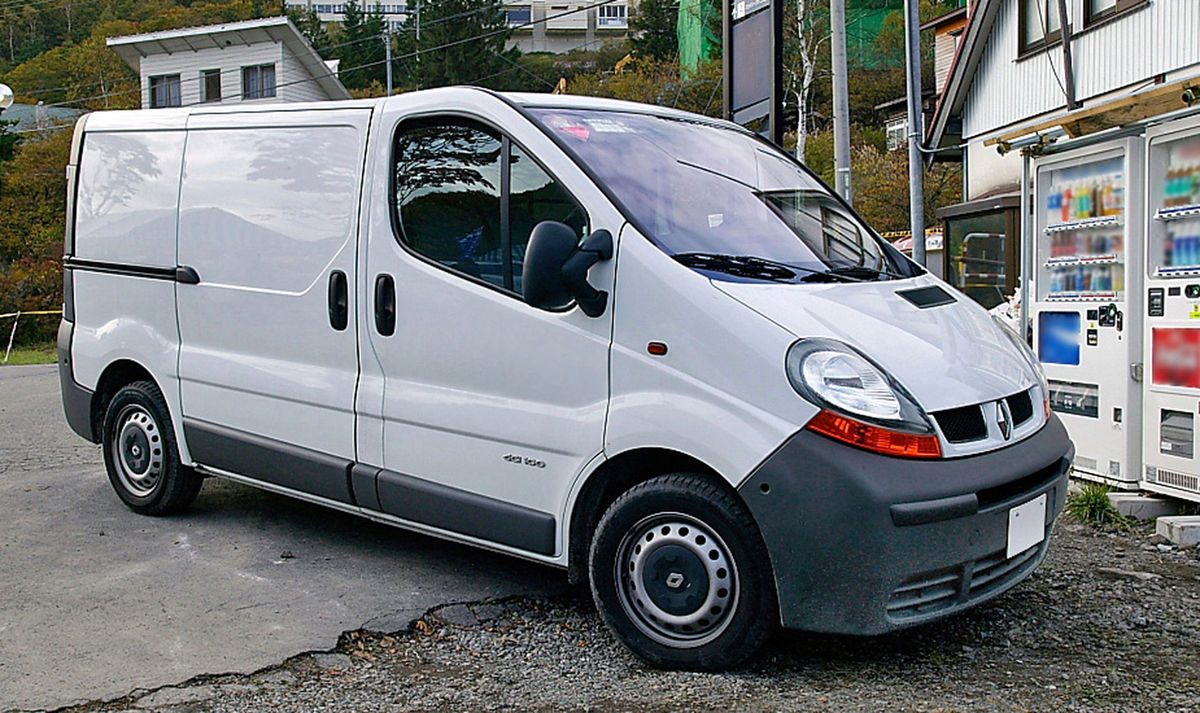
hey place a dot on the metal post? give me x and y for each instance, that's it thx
(916, 129)
(775, 113)
(1026, 244)
(387, 39)
(841, 100)
(727, 57)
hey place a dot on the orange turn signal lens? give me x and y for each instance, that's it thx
(875, 438)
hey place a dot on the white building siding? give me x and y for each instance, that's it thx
(229, 60)
(1157, 39)
(295, 83)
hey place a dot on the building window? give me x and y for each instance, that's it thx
(612, 16)
(1039, 24)
(210, 85)
(165, 91)
(1099, 10)
(897, 133)
(258, 82)
(518, 15)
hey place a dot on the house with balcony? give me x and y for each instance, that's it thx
(538, 25)
(264, 60)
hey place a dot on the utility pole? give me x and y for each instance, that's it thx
(841, 101)
(916, 128)
(387, 42)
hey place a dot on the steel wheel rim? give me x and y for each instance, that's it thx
(137, 451)
(648, 598)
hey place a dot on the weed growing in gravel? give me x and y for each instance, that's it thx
(1091, 506)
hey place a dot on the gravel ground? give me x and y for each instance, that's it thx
(1111, 622)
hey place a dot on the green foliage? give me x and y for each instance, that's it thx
(361, 50)
(469, 37)
(657, 82)
(309, 23)
(1092, 506)
(33, 203)
(653, 27)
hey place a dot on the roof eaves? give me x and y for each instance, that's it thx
(962, 70)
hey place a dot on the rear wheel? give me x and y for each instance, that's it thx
(141, 455)
(681, 575)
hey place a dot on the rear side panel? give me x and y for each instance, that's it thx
(122, 250)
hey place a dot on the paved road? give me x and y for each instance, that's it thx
(96, 601)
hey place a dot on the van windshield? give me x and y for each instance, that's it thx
(722, 202)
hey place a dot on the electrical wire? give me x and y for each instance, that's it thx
(365, 65)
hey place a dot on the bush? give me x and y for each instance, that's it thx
(1091, 505)
(31, 285)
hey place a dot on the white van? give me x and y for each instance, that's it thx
(634, 343)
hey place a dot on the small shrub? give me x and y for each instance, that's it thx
(1091, 506)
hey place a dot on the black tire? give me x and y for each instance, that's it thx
(141, 455)
(681, 575)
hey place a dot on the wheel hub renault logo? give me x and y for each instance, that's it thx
(1004, 419)
(674, 580)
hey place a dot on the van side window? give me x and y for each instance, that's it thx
(448, 197)
(533, 197)
(456, 181)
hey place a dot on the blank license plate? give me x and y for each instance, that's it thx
(1026, 525)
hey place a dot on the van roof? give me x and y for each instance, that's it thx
(176, 118)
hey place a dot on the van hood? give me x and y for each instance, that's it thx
(946, 356)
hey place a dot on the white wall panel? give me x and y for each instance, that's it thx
(1123, 54)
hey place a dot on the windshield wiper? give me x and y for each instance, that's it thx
(756, 267)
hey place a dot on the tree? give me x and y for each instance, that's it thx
(362, 51)
(881, 187)
(653, 28)
(461, 42)
(806, 37)
(309, 23)
(658, 82)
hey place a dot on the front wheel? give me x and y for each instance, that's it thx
(141, 455)
(681, 575)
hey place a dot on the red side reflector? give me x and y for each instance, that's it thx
(656, 348)
(875, 438)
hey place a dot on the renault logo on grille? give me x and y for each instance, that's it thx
(1004, 419)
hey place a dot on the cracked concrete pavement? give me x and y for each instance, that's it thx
(96, 601)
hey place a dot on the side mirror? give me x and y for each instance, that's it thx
(556, 265)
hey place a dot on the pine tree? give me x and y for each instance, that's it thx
(362, 51)
(309, 23)
(462, 42)
(653, 29)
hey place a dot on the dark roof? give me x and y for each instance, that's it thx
(27, 116)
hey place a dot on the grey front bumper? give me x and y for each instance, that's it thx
(863, 543)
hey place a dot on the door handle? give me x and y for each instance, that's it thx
(339, 300)
(385, 305)
(187, 275)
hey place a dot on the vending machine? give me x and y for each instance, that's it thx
(1086, 301)
(1172, 311)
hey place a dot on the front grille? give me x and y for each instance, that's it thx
(962, 424)
(951, 587)
(1021, 407)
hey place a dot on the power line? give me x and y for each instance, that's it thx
(416, 53)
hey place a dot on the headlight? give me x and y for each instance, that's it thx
(834, 375)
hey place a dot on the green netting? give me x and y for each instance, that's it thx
(698, 32)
